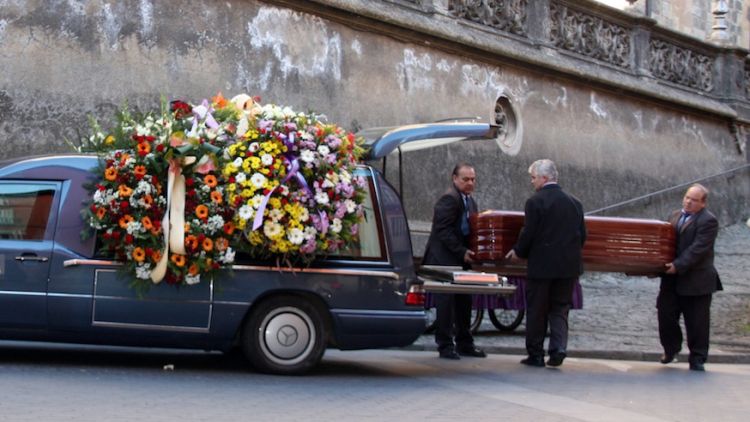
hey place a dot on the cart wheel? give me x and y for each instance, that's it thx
(506, 319)
(476, 320)
(431, 320)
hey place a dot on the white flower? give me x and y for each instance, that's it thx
(307, 156)
(237, 162)
(333, 177)
(240, 177)
(134, 227)
(246, 212)
(327, 184)
(256, 200)
(266, 159)
(275, 214)
(271, 229)
(227, 257)
(143, 272)
(254, 147)
(336, 225)
(351, 206)
(323, 150)
(258, 180)
(321, 198)
(345, 176)
(310, 232)
(296, 236)
(214, 223)
(304, 215)
(192, 279)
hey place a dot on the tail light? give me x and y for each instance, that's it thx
(415, 296)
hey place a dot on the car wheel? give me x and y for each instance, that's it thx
(284, 335)
(506, 319)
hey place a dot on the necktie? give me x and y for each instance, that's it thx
(684, 218)
(465, 218)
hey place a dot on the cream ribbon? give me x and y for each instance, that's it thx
(173, 223)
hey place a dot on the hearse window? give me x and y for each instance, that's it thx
(369, 241)
(24, 210)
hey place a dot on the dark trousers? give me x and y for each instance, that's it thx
(696, 311)
(548, 301)
(453, 319)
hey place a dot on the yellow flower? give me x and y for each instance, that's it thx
(109, 140)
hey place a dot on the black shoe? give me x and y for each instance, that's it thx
(534, 361)
(473, 352)
(449, 353)
(556, 359)
(667, 358)
(697, 366)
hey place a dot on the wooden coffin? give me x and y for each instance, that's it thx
(613, 244)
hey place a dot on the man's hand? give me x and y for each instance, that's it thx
(469, 256)
(671, 269)
(512, 255)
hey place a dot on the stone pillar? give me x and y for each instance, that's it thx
(641, 40)
(538, 21)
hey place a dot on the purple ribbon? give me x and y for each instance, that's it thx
(292, 164)
(203, 111)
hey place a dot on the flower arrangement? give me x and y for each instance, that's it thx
(180, 191)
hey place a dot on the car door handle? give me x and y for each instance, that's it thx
(31, 257)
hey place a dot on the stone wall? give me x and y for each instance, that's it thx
(620, 123)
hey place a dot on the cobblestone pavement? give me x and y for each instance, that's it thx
(618, 319)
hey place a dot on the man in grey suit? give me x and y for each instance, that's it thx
(552, 240)
(689, 281)
(449, 245)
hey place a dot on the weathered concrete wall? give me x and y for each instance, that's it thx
(65, 60)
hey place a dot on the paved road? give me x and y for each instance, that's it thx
(90, 384)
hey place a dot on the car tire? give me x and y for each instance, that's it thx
(506, 319)
(284, 335)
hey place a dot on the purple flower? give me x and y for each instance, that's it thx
(354, 229)
(265, 124)
(340, 210)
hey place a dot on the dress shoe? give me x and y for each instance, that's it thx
(534, 361)
(556, 359)
(667, 358)
(697, 366)
(473, 352)
(449, 353)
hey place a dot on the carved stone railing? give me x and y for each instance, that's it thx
(589, 35)
(680, 65)
(746, 79)
(504, 15)
(632, 44)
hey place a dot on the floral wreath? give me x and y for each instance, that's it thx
(181, 191)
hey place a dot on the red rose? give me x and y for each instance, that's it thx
(129, 239)
(160, 148)
(189, 182)
(180, 109)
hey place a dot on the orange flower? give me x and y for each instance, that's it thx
(143, 148)
(178, 260)
(148, 199)
(229, 228)
(191, 242)
(101, 212)
(124, 158)
(139, 254)
(208, 244)
(140, 170)
(146, 222)
(125, 220)
(210, 180)
(124, 191)
(110, 174)
(221, 244)
(156, 255)
(155, 231)
(216, 197)
(194, 269)
(201, 211)
(219, 100)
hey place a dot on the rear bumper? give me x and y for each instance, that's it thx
(369, 329)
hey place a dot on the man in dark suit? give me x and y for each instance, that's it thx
(690, 280)
(449, 245)
(551, 239)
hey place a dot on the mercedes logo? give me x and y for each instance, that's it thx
(287, 335)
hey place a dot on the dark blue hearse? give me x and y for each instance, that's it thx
(53, 286)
